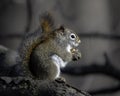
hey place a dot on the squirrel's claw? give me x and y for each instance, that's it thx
(76, 56)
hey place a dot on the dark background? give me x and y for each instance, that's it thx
(96, 21)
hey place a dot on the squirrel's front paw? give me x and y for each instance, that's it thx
(76, 55)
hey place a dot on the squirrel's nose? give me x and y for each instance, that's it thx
(79, 41)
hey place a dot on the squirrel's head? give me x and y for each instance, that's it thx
(68, 35)
(61, 33)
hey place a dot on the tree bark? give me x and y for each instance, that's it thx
(24, 86)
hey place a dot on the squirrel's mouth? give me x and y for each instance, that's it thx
(75, 44)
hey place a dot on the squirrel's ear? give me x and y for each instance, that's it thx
(61, 30)
(46, 22)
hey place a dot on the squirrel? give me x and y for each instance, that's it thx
(48, 49)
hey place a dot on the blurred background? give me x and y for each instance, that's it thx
(96, 21)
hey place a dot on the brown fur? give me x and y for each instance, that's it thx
(38, 47)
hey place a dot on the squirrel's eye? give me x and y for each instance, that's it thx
(72, 36)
